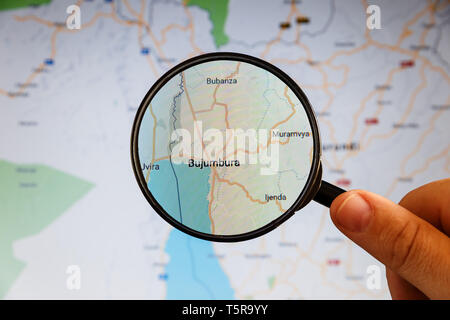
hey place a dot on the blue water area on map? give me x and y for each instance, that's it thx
(193, 271)
(183, 193)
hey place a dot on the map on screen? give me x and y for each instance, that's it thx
(74, 223)
(237, 134)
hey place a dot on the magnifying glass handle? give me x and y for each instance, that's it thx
(327, 193)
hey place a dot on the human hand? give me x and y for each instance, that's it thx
(411, 238)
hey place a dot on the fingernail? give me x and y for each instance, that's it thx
(354, 213)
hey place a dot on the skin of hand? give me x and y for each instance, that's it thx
(410, 238)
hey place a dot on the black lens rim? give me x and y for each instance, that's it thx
(314, 175)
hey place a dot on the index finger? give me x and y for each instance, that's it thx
(431, 202)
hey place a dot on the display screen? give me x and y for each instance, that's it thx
(74, 223)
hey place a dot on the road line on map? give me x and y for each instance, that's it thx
(154, 140)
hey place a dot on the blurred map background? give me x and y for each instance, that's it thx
(68, 196)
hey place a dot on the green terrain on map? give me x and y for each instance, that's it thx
(31, 197)
(16, 4)
(218, 12)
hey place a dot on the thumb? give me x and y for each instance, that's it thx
(405, 243)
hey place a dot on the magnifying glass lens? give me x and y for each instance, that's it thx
(225, 147)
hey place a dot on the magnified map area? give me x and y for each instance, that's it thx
(225, 147)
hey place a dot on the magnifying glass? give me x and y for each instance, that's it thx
(225, 147)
